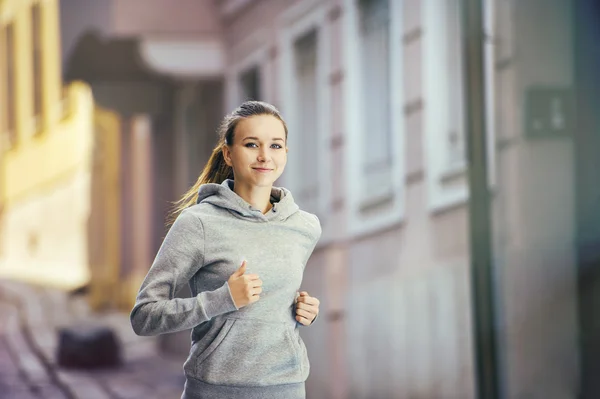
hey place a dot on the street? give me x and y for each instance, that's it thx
(28, 343)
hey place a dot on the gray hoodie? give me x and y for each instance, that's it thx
(252, 352)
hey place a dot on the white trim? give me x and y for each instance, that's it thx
(200, 58)
(358, 223)
(437, 110)
(290, 32)
(490, 86)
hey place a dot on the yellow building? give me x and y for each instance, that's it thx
(50, 166)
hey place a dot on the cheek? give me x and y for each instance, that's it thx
(240, 158)
(281, 160)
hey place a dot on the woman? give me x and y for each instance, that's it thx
(245, 339)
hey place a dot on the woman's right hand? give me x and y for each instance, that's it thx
(245, 288)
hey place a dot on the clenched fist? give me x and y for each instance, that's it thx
(307, 308)
(245, 288)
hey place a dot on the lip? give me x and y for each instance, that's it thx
(262, 170)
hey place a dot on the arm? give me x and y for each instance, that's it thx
(305, 301)
(180, 256)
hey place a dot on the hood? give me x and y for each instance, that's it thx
(223, 196)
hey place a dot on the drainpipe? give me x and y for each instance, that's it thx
(481, 273)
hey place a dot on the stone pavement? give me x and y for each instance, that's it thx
(29, 318)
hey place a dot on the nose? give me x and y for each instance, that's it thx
(262, 155)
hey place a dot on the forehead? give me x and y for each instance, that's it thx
(262, 126)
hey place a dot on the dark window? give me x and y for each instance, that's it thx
(250, 84)
(36, 23)
(375, 89)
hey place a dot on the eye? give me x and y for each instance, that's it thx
(250, 145)
(276, 146)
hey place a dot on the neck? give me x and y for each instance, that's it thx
(258, 197)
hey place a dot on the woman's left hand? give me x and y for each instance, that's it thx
(307, 308)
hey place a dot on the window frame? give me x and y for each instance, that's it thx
(364, 217)
(448, 185)
(294, 24)
(256, 71)
(253, 51)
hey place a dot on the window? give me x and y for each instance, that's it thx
(456, 138)
(249, 72)
(9, 79)
(36, 24)
(305, 52)
(306, 97)
(375, 117)
(374, 33)
(250, 84)
(444, 123)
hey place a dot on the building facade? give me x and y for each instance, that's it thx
(46, 136)
(373, 92)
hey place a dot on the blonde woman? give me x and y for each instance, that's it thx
(242, 246)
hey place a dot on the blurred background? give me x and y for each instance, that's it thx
(460, 255)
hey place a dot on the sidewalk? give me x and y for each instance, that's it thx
(28, 342)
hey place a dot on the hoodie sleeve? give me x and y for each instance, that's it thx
(181, 255)
(317, 231)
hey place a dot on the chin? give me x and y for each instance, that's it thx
(264, 183)
(267, 180)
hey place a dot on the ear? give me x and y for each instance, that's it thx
(227, 155)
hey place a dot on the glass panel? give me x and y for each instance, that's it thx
(307, 119)
(374, 23)
(250, 84)
(456, 135)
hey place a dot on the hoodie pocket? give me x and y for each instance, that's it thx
(251, 352)
(209, 341)
(204, 353)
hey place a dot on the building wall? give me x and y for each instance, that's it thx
(124, 18)
(397, 300)
(46, 166)
(535, 210)
(192, 18)
(188, 42)
(396, 303)
(78, 17)
(167, 124)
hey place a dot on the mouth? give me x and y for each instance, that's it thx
(262, 170)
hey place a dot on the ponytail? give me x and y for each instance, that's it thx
(217, 170)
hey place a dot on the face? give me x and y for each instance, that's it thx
(258, 154)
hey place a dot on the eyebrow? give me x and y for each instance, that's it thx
(257, 139)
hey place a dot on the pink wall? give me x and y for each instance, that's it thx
(78, 17)
(164, 17)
